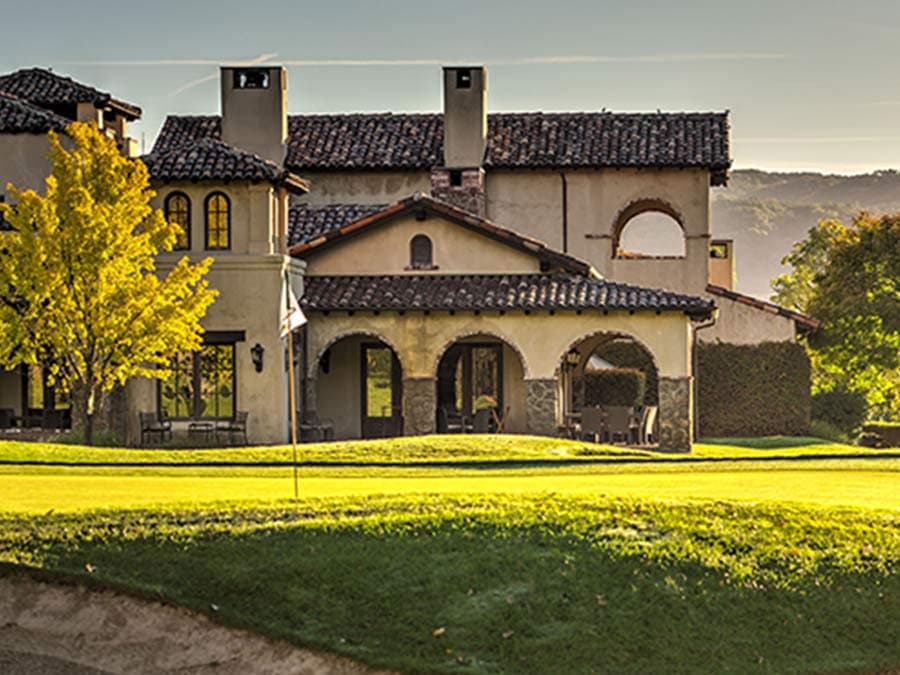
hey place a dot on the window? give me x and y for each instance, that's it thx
(463, 78)
(178, 211)
(420, 255)
(251, 78)
(718, 250)
(202, 384)
(455, 178)
(218, 222)
(38, 393)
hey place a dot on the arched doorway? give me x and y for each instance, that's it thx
(616, 377)
(359, 383)
(480, 387)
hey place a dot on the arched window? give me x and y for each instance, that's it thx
(218, 222)
(178, 211)
(420, 257)
(649, 228)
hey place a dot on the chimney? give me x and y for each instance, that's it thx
(254, 109)
(460, 180)
(721, 263)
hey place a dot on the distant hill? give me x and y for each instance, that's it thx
(765, 213)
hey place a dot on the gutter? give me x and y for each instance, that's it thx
(697, 328)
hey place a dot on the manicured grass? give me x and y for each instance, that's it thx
(443, 450)
(492, 554)
(867, 483)
(512, 584)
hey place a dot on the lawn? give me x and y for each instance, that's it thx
(605, 563)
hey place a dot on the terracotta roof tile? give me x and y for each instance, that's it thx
(21, 117)
(212, 160)
(492, 292)
(46, 89)
(306, 222)
(515, 140)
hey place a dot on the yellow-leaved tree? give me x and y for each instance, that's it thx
(79, 292)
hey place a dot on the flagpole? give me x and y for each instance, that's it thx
(291, 385)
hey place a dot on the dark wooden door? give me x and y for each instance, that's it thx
(381, 392)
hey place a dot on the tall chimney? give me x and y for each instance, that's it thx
(465, 116)
(460, 181)
(254, 109)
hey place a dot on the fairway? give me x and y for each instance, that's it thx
(857, 483)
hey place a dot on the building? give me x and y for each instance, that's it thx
(448, 262)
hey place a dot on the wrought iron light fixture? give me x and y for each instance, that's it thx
(573, 357)
(256, 353)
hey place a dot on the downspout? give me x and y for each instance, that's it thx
(565, 212)
(697, 328)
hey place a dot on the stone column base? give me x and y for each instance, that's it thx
(676, 413)
(419, 405)
(540, 406)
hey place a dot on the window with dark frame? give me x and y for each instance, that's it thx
(218, 222)
(178, 211)
(420, 253)
(455, 178)
(463, 78)
(202, 384)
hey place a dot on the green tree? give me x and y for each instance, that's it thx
(81, 295)
(848, 277)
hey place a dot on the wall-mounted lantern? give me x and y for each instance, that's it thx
(256, 353)
(572, 358)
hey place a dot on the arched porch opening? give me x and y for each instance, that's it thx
(610, 389)
(359, 387)
(480, 382)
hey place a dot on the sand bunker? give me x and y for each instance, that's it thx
(57, 628)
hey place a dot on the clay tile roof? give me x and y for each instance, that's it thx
(211, 160)
(493, 292)
(803, 323)
(47, 89)
(21, 117)
(515, 140)
(306, 222)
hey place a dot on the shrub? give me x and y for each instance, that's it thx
(102, 438)
(753, 390)
(827, 431)
(840, 407)
(626, 353)
(615, 386)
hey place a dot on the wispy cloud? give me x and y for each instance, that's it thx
(818, 139)
(558, 59)
(262, 58)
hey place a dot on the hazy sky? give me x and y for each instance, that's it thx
(811, 84)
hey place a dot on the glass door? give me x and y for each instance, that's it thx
(381, 401)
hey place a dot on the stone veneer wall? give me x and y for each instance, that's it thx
(468, 196)
(540, 405)
(419, 405)
(676, 417)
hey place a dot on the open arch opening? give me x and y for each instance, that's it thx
(611, 389)
(358, 385)
(480, 387)
(649, 229)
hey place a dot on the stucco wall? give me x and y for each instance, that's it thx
(744, 325)
(249, 291)
(364, 187)
(257, 215)
(24, 161)
(531, 202)
(384, 249)
(541, 339)
(338, 395)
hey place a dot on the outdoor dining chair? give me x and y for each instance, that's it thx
(593, 423)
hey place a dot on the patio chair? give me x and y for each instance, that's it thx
(621, 423)
(481, 423)
(647, 430)
(593, 423)
(151, 424)
(238, 425)
(452, 421)
(7, 418)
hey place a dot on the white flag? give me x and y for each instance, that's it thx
(291, 316)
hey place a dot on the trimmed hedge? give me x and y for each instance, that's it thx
(614, 386)
(753, 390)
(629, 354)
